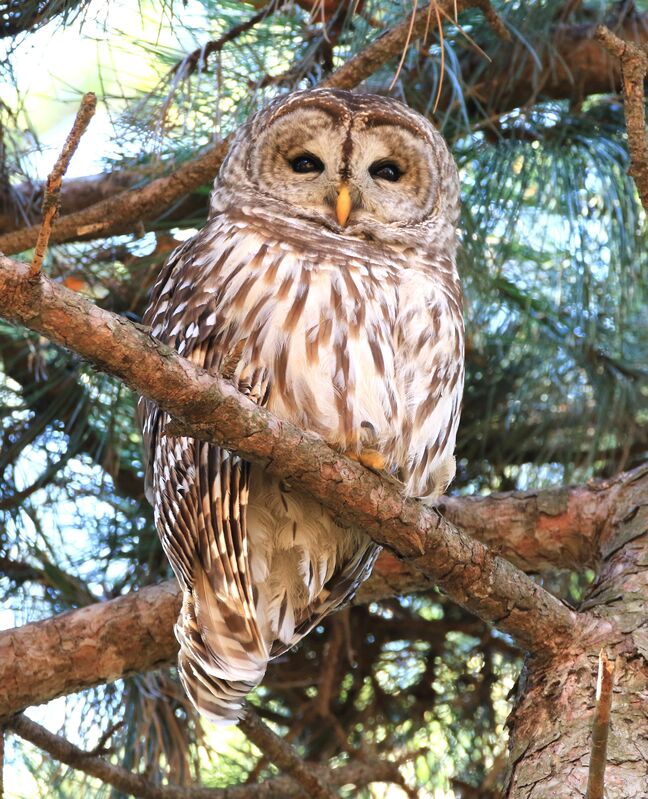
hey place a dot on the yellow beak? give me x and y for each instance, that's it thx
(343, 205)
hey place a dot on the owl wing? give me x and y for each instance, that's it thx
(430, 362)
(200, 494)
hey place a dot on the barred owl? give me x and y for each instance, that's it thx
(323, 285)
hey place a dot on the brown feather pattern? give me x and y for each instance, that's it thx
(356, 335)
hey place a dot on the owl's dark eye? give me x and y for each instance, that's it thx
(303, 164)
(385, 170)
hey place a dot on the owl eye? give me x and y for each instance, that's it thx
(385, 170)
(304, 164)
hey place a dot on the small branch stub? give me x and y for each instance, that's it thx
(600, 728)
(51, 198)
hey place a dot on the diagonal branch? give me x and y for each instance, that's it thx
(282, 754)
(51, 200)
(117, 214)
(210, 408)
(108, 640)
(127, 782)
(197, 59)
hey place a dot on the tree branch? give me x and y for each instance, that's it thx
(198, 57)
(600, 728)
(282, 754)
(109, 640)
(95, 644)
(634, 67)
(61, 749)
(551, 725)
(117, 214)
(51, 198)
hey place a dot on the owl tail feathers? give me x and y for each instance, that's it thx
(221, 701)
(222, 654)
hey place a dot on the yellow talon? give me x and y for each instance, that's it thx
(370, 458)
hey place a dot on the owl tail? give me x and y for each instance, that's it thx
(222, 657)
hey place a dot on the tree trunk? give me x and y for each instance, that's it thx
(551, 724)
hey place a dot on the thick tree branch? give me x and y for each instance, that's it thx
(118, 214)
(40, 661)
(210, 408)
(359, 774)
(568, 64)
(95, 644)
(551, 725)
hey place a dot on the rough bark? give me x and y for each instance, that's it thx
(210, 408)
(551, 724)
(634, 67)
(86, 647)
(121, 213)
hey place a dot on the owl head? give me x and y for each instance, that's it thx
(358, 165)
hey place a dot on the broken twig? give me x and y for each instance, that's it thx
(51, 198)
(600, 728)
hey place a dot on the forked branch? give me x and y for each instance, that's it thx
(136, 785)
(282, 754)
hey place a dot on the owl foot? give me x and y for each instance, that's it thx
(370, 458)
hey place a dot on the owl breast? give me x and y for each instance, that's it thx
(323, 328)
(319, 337)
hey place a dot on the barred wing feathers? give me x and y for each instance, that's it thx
(200, 494)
